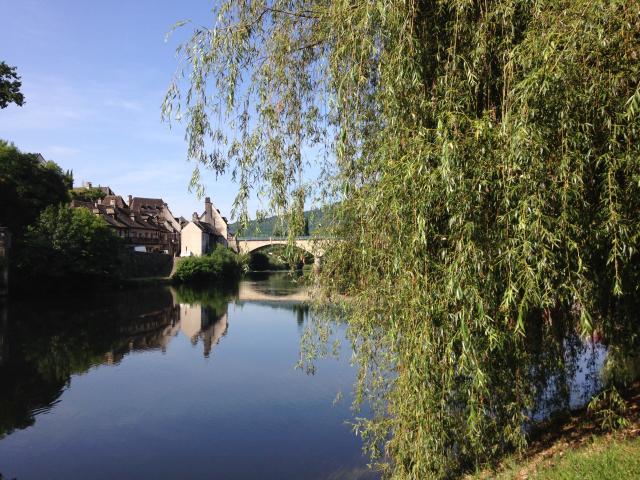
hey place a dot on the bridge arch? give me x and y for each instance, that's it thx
(248, 245)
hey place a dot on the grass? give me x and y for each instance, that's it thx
(602, 458)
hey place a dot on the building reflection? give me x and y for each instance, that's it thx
(151, 331)
(203, 324)
(154, 330)
(44, 343)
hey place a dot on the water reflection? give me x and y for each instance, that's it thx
(126, 374)
(203, 375)
(3, 328)
(43, 347)
(203, 315)
(199, 323)
(570, 385)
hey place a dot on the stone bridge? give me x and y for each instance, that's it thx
(314, 246)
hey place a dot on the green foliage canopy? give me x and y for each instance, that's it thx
(10, 86)
(28, 186)
(315, 222)
(485, 157)
(88, 194)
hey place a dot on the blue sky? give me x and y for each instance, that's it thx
(94, 75)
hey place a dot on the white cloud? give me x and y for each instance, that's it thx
(60, 151)
(50, 104)
(129, 105)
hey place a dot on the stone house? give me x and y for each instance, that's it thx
(201, 235)
(145, 224)
(159, 213)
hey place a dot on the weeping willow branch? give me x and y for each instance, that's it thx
(483, 162)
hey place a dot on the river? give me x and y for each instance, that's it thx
(158, 382)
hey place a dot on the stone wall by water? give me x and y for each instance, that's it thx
(147, 264)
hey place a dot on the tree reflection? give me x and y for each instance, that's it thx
(44, 343)
(553, 370)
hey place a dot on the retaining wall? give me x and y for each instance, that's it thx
(147, 264)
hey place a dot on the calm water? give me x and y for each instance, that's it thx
(164, 383)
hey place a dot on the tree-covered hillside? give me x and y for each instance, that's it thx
(275, 226)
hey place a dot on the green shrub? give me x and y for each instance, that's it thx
(89, 194)
(70, 244)
(221, 264)
(610, 409)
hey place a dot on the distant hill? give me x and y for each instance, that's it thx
(270, 226)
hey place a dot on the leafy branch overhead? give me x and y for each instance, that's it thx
(484, 157)
(10, 86)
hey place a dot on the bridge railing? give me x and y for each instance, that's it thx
(271, 239)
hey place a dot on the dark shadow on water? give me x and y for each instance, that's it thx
(44, 341)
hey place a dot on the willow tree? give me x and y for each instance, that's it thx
(484, 160)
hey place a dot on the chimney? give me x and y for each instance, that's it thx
(195, 216)
(208, 210)
(130, 200)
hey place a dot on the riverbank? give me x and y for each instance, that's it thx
(577, 448)
(615, 457)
